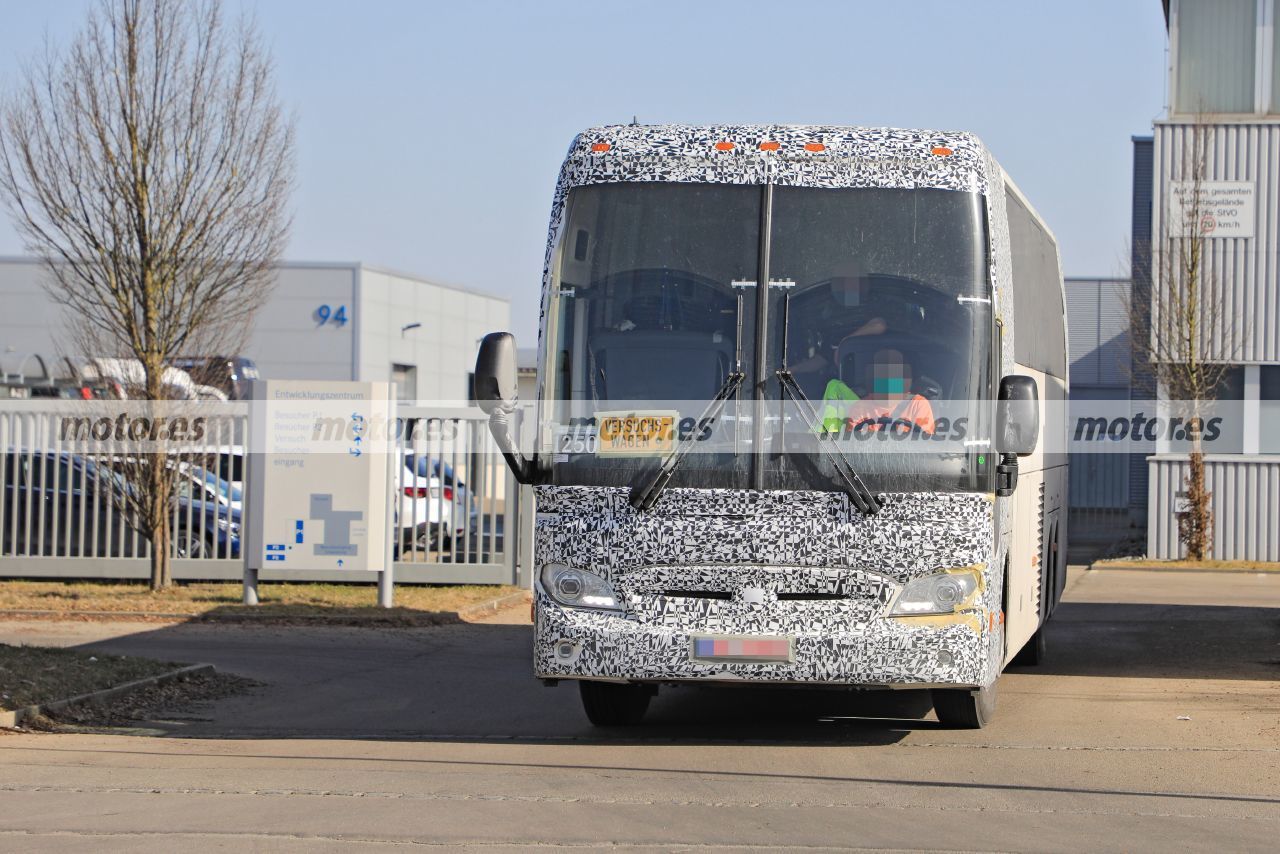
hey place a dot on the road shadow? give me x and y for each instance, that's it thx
(1161, 641)
(474, 682)
(364, 616)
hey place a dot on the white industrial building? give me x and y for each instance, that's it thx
(1224, 87)
(340, 321)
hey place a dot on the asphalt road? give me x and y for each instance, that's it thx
(1155, 724)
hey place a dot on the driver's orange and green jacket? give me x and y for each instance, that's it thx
(843, 409)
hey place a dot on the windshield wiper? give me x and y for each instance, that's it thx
(862, 497)
(645, 491)
(644, 494)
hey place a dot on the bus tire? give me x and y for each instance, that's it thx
(609, 704)
(1033, 652)
(965, 708)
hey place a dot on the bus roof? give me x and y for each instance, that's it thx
(794, 155)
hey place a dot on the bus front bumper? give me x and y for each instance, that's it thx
(883, 652)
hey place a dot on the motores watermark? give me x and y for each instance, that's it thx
(622, 428)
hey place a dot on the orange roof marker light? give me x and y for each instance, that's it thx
(941, 151)
(600, 146)
(724, 145)
(770, 146)
(814, 146)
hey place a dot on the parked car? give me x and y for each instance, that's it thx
(44, 495)
(426, 511)
(228, 464)
(230, 374)
(208, 510)
(426, 466)
(214, 489)
(129, 377)
(67, 505)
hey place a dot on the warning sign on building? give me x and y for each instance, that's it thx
(1219, 209)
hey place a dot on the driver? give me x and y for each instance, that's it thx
(891, 401)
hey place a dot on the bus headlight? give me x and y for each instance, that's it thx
(935, 594)
(578, 588)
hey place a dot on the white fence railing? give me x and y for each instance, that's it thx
(64, 510)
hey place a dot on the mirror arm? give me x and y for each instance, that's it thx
(524, 468)
(1006, 475)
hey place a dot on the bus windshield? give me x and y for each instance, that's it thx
(880, 297)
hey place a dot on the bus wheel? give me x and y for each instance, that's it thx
(608, 704)
(1031, 655)
(965, 708)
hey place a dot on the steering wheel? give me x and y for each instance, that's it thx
(927, 387)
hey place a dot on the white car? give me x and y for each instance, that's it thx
(427, 512)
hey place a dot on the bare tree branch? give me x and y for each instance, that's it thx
(1179, 324)
(150, 165)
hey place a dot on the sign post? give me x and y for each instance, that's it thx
(386, 578)
(321, 471)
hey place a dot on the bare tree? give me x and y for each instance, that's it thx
(149, 165)
(1179, 326)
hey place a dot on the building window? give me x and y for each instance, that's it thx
(1269, 409)
(1229, 403)
(1216, 55)
(1225, 406)
(405, 379)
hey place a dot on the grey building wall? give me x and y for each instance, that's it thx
(1245, 504)
(1098, 328)
(1242, 280)
(289, 340)
(1142, 384)
(1242, 271)
(443, 349)
(1099, 348)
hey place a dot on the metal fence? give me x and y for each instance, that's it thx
(65, 513)
(1100, 517)
(1244, 498)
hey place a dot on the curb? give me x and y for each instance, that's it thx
(501, 603)
(12, 719)
(1159, 567)
(470, 612)
(8, 613)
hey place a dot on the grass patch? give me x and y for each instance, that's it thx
(351, 602)
(30, 675)
(1197, 565)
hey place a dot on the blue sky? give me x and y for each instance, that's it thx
(430, 134)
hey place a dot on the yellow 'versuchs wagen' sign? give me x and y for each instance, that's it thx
(635, 434)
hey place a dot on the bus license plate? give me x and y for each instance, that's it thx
(635, 434)
(741, 648)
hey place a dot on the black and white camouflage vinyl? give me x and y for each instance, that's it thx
(803, 564)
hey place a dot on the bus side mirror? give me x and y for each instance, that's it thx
(494, 383)
(1018, 415)
(494, 387)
